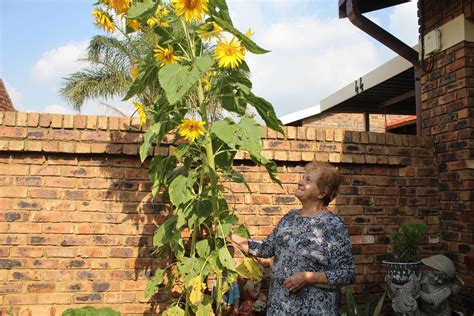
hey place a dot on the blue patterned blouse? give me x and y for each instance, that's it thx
(307, 243)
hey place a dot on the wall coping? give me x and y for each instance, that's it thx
(87, 134)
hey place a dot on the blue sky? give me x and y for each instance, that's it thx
(313, 52)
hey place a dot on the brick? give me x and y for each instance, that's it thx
(91, 122)
(45, 120)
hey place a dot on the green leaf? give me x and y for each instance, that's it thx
(144, 78)
(204, 310)
(174, 311)
(203, 248)
(237, 177)
(248, 43)
(226, 259)
(179, 191)
(242, 231)
(148, 141)
(266, 112)
(250, 269)
(378, 308)
(225, 130)
(204, 63)
(219, 8)
(176, 79)
(164, 232)
(151, 285)
(141, 9)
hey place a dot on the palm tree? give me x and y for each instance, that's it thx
(109, 74)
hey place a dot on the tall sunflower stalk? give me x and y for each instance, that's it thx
(199, 62)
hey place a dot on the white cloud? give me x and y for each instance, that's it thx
(108, 107)
(404, 22)
(310, 59)
(57, 109)
(59, 62)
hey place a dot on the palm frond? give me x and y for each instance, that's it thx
(94, 83)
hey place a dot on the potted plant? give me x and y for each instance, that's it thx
(405, 249)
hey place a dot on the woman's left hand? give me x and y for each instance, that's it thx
(296, 282)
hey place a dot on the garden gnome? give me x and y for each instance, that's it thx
(437, 285)
(253, 301)
(404, 297)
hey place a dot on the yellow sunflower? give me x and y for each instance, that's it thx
(156, 21)
(190, 9)
(120, 6)
(134, 24)
(191, 129)
(104, 20)
(229, 54)
(207, 31)
(206, 80)
(141, 112)
(166, 55)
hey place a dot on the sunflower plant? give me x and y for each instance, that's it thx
(199, 62)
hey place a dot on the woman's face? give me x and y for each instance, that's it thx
(307, 189)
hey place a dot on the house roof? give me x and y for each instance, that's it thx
(299, 115)
(6, 104)
(388, 89)
(369, 5)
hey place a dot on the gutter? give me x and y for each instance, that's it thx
(387, 39)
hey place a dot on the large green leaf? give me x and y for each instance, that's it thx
(151, 285)
(203, 248)
(226, 259)
(248, 43)
(225, 130)
(250, 269)
(242, 231)
(141, 9)
(160, 169)
(266, 112)
(236, 177)
(179, 190)
(164, 233)
(145, 77)
(204, 310)
(219, 8)
(174, 311)
(176, 79)
(149, 140)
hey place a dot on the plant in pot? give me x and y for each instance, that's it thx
(405, 249)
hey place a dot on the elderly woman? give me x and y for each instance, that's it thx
(311, 249)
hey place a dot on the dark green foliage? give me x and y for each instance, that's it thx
(352, 309)
(407, 240)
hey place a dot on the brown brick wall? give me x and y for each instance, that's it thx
(77, 220)
(351, 121)
(438, 12)
(448, 117)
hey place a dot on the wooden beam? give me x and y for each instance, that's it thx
(397, 99)
(367, 121)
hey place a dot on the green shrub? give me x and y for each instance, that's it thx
(406, 241)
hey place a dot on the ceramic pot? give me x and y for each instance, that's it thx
(400, 272)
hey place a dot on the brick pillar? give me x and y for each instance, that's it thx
(448, 116)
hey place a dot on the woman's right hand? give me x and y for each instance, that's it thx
(241, 242)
